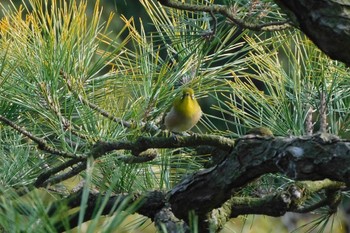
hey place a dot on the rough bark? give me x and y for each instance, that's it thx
(306, 159)
(325, 22)
(302, 158)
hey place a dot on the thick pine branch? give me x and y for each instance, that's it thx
(309, 159)
(300, 158)
(326, 22)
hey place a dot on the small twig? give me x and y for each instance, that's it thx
(104, 113)
(226, 11)
(61, 177)
(42, 144)
(56, 109)
(43, 177)
(309, 125)
(95, 107)
(315, 206)
(209, 35)
(332, 199)
(146, 126)
(323, 112)
(53, 105)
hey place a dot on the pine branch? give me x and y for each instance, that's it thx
(292, 198)
(301, 158)
(144, 143)
(44, 178)
(128, 124)
(78, 165)
(93, 106)
(229, 13)
(75, 170)
(141, 149)
(154, 205)
(42, 144)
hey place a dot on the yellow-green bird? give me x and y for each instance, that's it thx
(261, 131)
(184, 113)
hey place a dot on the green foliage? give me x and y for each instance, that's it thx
(286, 74)
(53, 56)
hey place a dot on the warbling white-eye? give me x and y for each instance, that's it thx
(184, 113)
(261, 131)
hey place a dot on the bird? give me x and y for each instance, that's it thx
(261, 131)
(185, 112)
